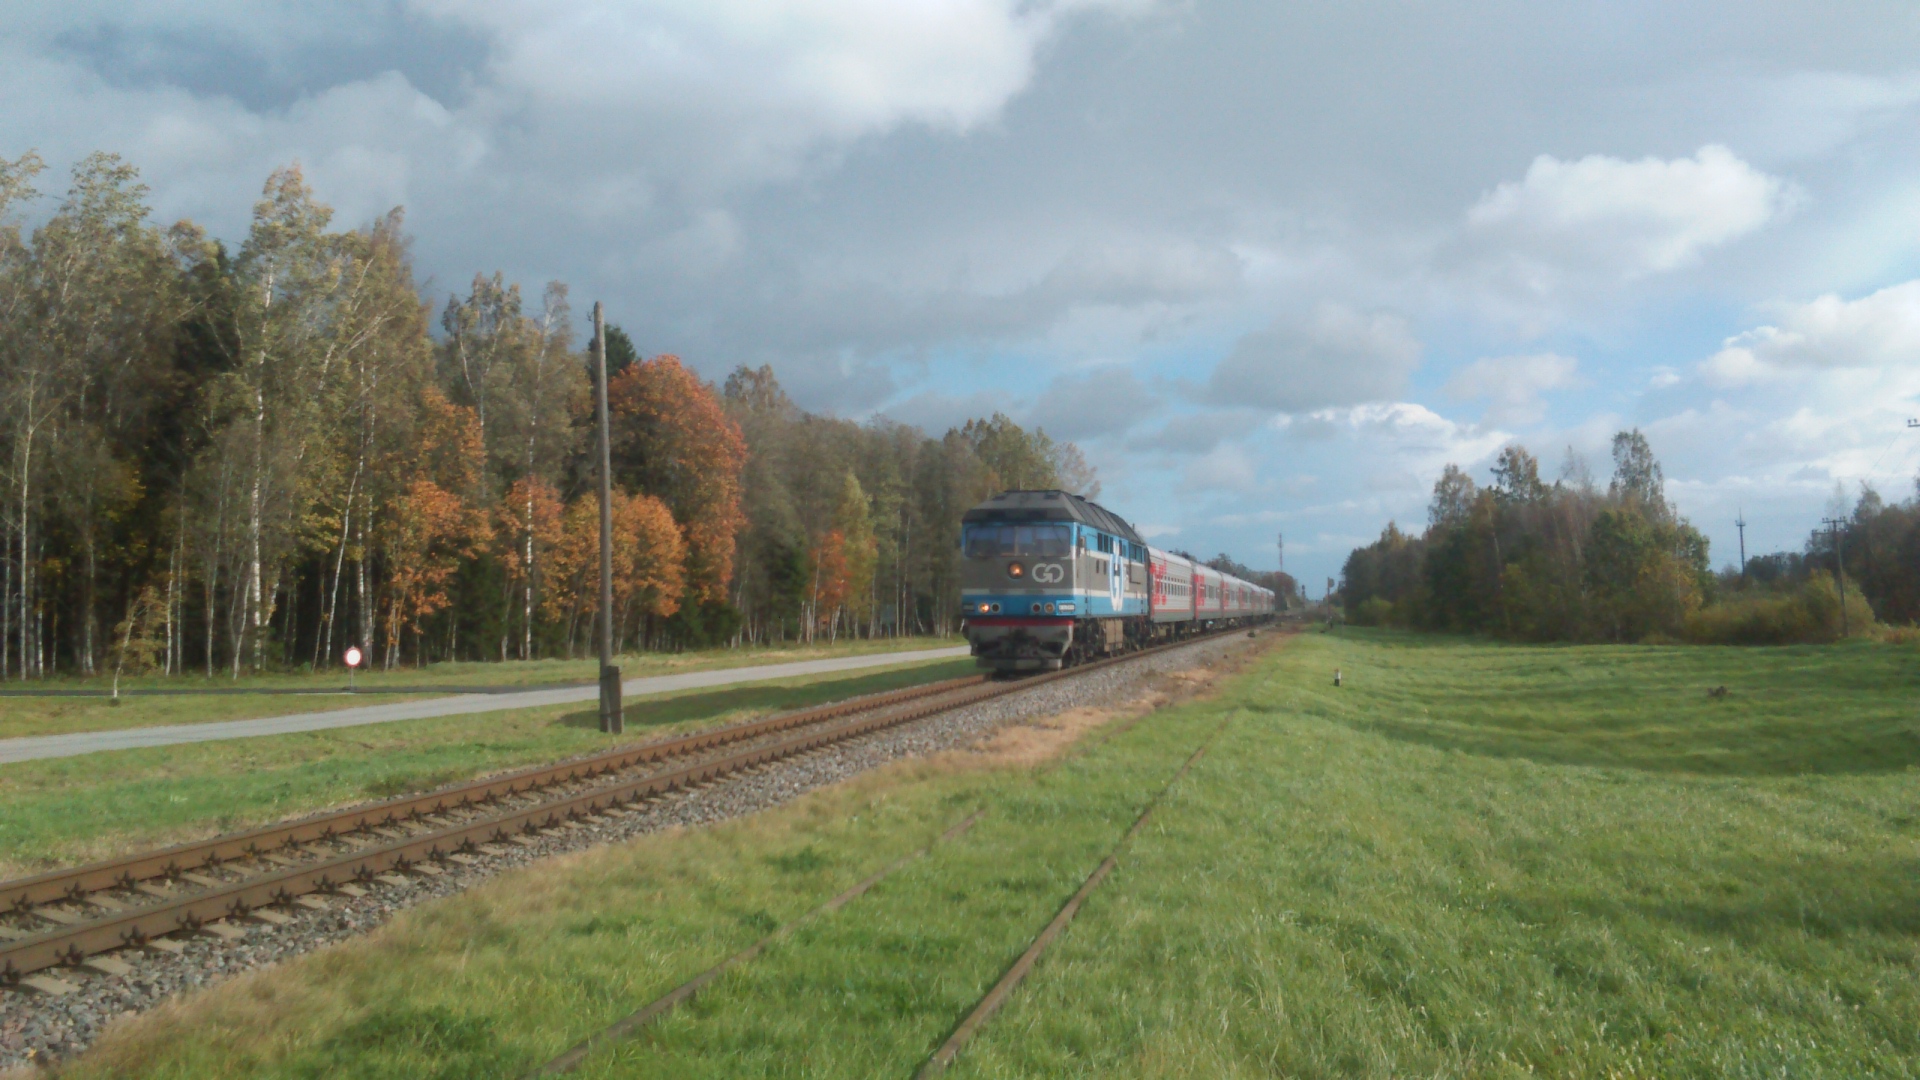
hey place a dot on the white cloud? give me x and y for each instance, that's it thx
(1338, 357)
(753, 87)
(366, 145)
(1607, 218)
(1414, 444)
(1877, 331)
(656, 108)
(1513, 385)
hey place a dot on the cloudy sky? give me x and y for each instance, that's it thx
(1272, 265)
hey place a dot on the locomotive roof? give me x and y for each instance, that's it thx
(1051, 506)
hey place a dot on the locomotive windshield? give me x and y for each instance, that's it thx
(1032, 541)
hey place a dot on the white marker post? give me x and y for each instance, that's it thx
(353, 659)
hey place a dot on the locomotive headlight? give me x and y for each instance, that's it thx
(1016, 570)
(1049, 609)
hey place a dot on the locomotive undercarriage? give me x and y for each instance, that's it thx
(1012, 648)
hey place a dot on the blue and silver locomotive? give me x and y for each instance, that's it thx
(1049, 579)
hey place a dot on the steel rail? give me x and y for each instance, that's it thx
(75, 883)
(123, 925)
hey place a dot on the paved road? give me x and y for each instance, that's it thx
(30, 748)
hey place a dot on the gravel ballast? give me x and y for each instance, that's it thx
(44, 1028)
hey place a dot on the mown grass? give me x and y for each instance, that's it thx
(1786, 711)
(24, 716)
(1406, 876)
(1497, 889)
(61, 715)
(61, 811)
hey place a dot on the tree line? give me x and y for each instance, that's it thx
(1570, 561)
(220, 460)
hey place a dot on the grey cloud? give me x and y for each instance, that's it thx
(1095, 404)
(796, 314)
(1139, 272)
(935, 412)
(1337, 357)
(267, 59)
(1197, 433)
(1311, 428)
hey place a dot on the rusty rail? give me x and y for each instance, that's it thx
(288, 848)
(74, 883)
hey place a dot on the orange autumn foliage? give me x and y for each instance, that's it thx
(528, 523)
(429, 531)
(672, 439)
(431, 527)
(447, 447)
(830, 577)
(649, 559)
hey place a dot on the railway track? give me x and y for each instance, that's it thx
(71, 917)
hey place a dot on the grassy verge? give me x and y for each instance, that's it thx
(61, 715)
(1457, 865)
(23, 716)
(66, 810)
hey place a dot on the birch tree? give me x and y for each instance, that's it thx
(27, 393)
(103, 310)
(529, 393)
(283, 387)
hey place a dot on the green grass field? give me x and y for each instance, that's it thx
(62, 811)
(1472, 860)
(60, 715)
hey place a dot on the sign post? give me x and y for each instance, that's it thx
(353, 659)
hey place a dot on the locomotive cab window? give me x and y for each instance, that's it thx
(1007, 541)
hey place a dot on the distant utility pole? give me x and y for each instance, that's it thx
(611, 719)
(1840, 566)
(1280, 542)
(1740, 522)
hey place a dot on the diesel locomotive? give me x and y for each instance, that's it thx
(1049, 579)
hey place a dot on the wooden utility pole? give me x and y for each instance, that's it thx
(1280, 567)
(1740, 522)
(611, 718)
(1840, 567)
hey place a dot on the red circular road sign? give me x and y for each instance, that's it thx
(353, 657)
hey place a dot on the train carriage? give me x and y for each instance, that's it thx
(1050, 579)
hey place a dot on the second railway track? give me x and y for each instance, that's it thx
(65, 917)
